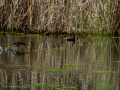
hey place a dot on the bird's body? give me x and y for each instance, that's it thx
(19, 47)
(18, 44)
(73, 39)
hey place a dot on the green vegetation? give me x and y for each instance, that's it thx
(55, 57)
(56, 86)
(61, 16)
(71, 64)
(103, 72)
(37, 67)
(117, 61)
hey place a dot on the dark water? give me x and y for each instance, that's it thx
(53, 63)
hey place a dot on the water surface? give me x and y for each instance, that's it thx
(53, 63)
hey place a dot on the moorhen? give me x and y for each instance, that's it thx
(73, 39)
(16, 47)
(17, 44)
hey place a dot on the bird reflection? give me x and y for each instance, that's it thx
(16, 46)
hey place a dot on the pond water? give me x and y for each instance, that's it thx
(33, 62)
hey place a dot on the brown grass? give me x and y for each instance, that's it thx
(91, 16)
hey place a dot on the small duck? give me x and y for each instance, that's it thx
(17, 44)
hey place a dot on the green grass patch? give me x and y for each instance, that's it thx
(33, 35)
(56, 86)
(115, 37)
(46, 59)
(72, 64)
(10, 65)
(47, 68)
(18, 36)
(60, 35)
(116, 45)
(55, 69)
(103, 72)
(117, 61)
(108, 86)
(56, 57)
(21, 69)
(35, 50)
(80, 44)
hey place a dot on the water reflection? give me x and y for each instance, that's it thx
(1, 49)
(52, 63)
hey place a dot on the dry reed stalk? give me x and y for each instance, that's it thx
(56, 15)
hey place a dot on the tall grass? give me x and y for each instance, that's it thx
(71, 16)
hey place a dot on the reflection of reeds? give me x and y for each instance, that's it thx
(94, 54)
(57, 15)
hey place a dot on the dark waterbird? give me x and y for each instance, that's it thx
(18, 44)
(16, 48)
(72, 39)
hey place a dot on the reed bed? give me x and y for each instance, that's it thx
(62, 16)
